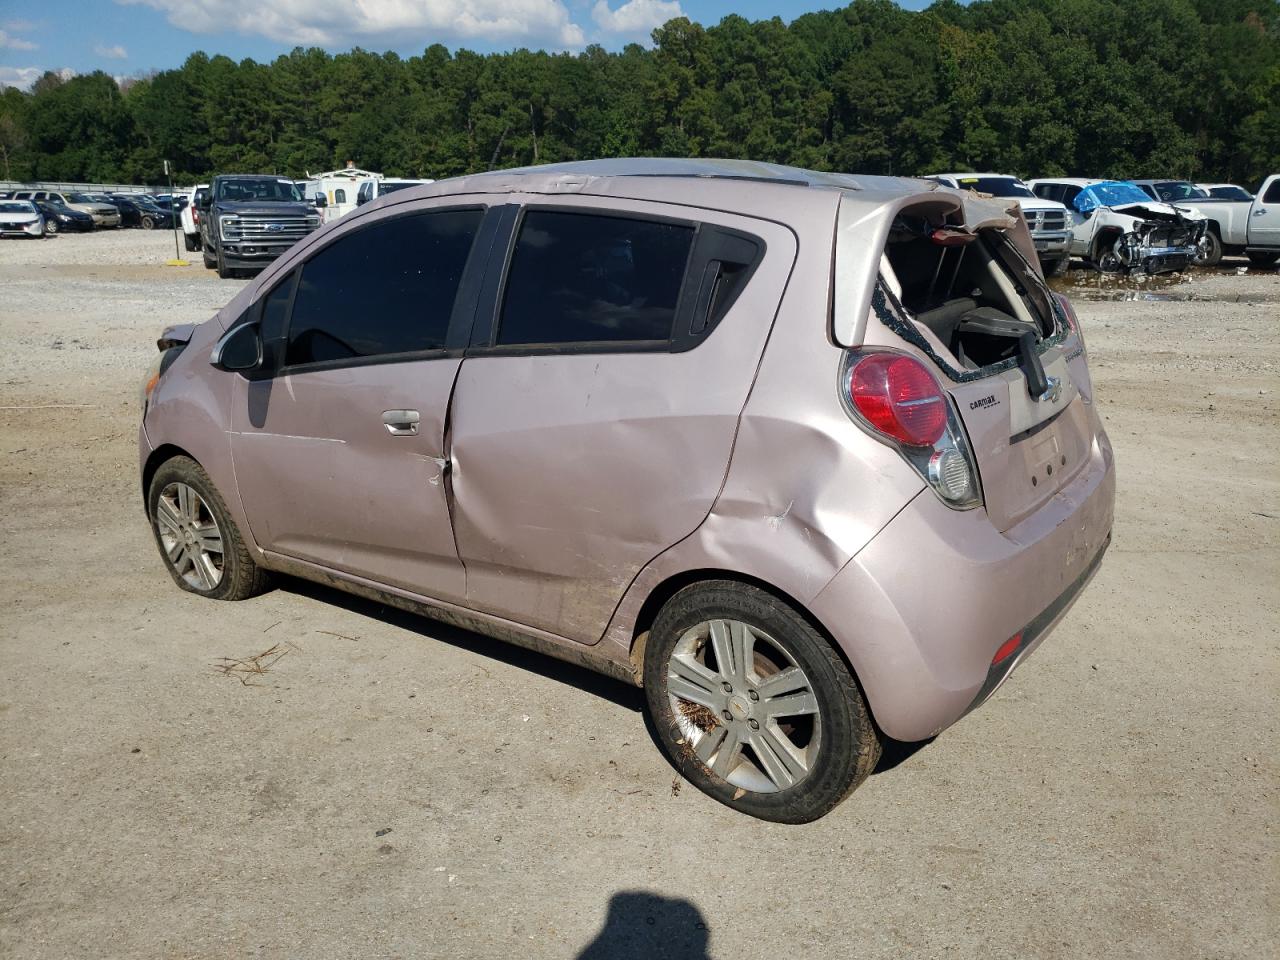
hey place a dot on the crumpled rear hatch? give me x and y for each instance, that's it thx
(1007, 351)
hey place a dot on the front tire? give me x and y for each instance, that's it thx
(1105, 257)
(224, 272)
(200, 544)
(209, 261)
(754, 706)
(1209, 252)
(51, 226)
(1058, 268)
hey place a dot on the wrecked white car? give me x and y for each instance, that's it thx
(1120, 229)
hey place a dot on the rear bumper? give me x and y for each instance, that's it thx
(923, 609)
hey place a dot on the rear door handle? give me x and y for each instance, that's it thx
(401, 423)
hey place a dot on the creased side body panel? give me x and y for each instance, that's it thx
(571, 472)
(806, 488)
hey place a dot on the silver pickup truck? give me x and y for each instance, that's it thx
(1250, 227)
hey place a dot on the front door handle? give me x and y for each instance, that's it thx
(401, 423)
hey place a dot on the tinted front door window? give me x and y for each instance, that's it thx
(386, 289)
(579, 277)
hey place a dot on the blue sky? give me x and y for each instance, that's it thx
(127, 37)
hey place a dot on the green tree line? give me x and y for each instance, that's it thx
(1115, 88)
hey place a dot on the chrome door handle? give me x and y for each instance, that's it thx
(401, 423)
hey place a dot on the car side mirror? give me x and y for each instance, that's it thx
(202, 201)
(239, 349)
(321, 201)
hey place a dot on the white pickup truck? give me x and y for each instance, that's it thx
(1251, 227)
(1048, 220)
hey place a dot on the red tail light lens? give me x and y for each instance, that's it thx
(898, 396)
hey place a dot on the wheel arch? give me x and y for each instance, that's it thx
(668, 588)
(157, 458)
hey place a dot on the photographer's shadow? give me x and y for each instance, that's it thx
(646, 926)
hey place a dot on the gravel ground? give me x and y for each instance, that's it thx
(395, 788)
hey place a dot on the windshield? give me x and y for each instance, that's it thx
(79, 198)
(12, 206)
(1179, 190)
(1230, 193)
(259, 189)
(1109, 193)
(996, 186)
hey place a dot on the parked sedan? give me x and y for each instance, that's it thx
(104, 214)
(141, 212)
(20, 218)
(59, 218)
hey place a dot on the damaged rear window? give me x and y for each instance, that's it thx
(974, 292)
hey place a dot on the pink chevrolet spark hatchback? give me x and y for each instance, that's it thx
(814, 459)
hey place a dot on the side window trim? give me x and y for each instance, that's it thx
(459, 320)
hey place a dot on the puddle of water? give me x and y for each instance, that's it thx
(1089, 284)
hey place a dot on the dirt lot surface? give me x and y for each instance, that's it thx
(394, 788)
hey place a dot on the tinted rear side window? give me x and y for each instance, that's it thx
(580, 278)
(388, 288)
(1273, 193)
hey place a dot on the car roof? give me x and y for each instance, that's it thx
(1074, 181)
(1161, 180)
(992, 176)
(693, 175)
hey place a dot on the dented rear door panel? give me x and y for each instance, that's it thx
(573, 471)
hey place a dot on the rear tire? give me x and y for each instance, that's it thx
(146, 223)
(788, 766)
(1209, 253)
(201, 547)
(190, 243)
(51, 226)
(1263, 259)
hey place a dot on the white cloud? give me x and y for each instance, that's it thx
(24, 77)
(9, 42)
(20, 77)
(635, 16)
(336, 23)
(116, 52)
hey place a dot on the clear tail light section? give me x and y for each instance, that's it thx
(899, 401)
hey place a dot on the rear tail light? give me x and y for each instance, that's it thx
(1073, 322)
(896, 395)
(898, 398)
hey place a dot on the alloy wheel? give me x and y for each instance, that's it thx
(190, 536)
(744, 706)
